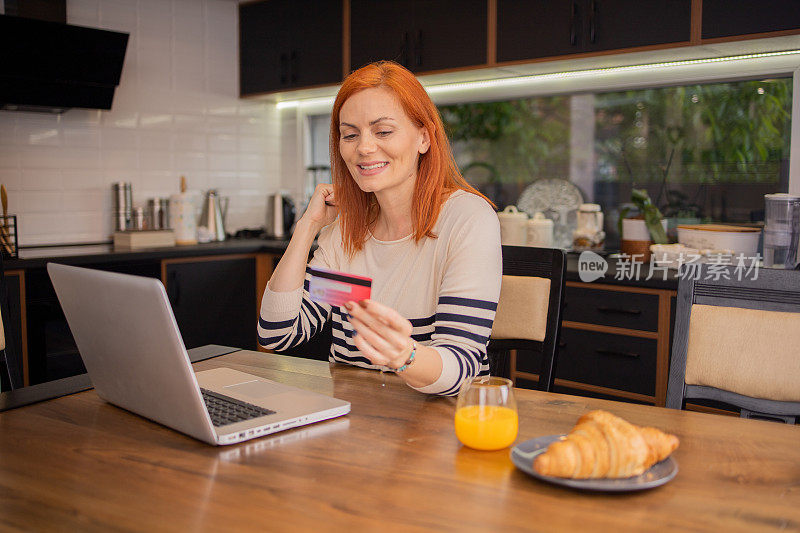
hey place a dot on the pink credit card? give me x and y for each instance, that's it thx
(337, 288)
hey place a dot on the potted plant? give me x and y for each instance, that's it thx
(647, 228)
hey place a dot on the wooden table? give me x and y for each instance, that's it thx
(78, 463)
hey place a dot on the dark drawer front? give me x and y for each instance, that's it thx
(607, 360)
(629, 310)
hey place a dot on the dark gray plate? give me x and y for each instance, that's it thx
(523, 453)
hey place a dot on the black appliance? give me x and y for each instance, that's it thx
(52, 66)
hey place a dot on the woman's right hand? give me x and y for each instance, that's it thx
(322, 209)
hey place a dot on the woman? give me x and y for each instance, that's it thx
(400, 213)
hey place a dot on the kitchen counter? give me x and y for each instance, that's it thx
(106, 253)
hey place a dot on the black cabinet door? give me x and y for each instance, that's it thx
(264, 46)
(544, 28)
(214, 301)
(381, 30)
(284, 44)
(316, 54)
(52, 352)
(12, 329)
(613, 24)
(422, 35)
(724, 18)
(448, 34)
(538, 28)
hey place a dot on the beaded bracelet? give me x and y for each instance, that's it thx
(409, 360)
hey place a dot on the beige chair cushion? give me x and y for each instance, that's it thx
(746, 351)
(522, 309)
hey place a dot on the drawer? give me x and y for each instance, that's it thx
(530, 384)
(604, 359)
(630, 310)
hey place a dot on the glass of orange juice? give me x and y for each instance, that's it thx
(486, 413)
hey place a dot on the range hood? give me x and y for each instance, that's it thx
(52, 66)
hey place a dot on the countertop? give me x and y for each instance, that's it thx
(618, 273)
(106, 253)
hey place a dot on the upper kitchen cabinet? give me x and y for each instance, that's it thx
(545, 28)
(724, 18)
(422, 35)
(287, 44)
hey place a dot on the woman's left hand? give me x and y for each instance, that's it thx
(382, 334)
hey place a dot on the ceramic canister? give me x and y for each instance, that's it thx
(513, 226)
(540, 231)
(184, 208)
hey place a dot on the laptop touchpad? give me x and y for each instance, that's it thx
(256, 389)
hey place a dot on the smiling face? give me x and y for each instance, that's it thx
(379, 143)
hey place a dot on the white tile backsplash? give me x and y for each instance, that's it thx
(46, 201)
(176, 112)
(41, 180)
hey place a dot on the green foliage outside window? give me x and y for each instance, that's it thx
(520, 139)
(668, 138)
(725, 132)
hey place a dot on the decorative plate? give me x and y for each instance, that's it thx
(522, 456)
(559, 201)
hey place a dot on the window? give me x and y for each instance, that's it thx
(703, 152)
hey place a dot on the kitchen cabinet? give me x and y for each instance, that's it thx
(214, 288)
(14, 326)
(51, 349)
(285, 44)
(615, 342)
(422, 35)
(213, 299)
(545, 28)
(724, 18)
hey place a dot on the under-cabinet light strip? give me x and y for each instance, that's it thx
(518, 80)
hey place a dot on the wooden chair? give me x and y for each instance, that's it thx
(738, 341)
(529, 311)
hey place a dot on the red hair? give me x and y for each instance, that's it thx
(437, 173)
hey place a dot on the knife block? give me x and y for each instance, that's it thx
(8, 236)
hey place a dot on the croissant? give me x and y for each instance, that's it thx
(602, 445)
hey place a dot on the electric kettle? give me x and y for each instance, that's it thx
(280, 216)
(212, 221)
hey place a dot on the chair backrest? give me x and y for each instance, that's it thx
(737, 340)
(531, 300)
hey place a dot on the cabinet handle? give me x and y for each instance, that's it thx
(404, 51)
(293, 66)
(614, 310)
(418, 49)
(612, 353)
(573, 30)
(284, 69)
(593, 21)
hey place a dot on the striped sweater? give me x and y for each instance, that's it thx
(447, 287)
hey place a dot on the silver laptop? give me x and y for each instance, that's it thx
(130, 344)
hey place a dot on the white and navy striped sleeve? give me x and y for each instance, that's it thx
(288, 319)
(467, 299)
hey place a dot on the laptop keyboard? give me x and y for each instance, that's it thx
(225, 410)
